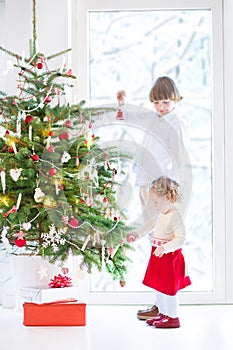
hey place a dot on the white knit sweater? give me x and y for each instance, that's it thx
(167, 229)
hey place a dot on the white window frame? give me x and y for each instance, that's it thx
(221, 139)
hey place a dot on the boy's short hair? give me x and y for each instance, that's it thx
(164, 88)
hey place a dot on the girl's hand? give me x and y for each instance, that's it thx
(131, 237)
(159, 251)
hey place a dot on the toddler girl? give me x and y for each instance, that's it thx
(166, 272)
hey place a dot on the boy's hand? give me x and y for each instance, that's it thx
(132, 237)
(159, 251)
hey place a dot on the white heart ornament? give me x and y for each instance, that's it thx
(15, 174)
(26, 226)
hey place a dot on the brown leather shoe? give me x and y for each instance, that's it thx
(167, 322)
(149, 313)
(150, 307)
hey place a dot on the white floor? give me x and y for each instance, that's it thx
(117, 328)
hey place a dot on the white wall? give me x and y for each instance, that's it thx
(52, 28)
(52, 24)
(2, 41)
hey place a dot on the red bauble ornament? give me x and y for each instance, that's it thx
(35, 157)
(61, 187)
(69, 72)
(64, 136)
(73, 223)
(105, 200)
(50, 149)
(51, 133)
(52, 171)
(28, 119)
(122, 283)
(7, 133)
(83, 200)
(10, 149)
(47, 99)
(68, 124)
(39, 65)
(120, 115)
(20, 242)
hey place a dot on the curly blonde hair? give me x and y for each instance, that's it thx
(164, 186)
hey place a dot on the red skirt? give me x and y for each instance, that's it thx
(166, 274)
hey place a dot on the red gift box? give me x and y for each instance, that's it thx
(67, 312)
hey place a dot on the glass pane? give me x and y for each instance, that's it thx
(128, 51)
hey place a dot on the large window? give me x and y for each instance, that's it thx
(128, 48)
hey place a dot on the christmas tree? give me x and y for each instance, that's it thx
(58, 188)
